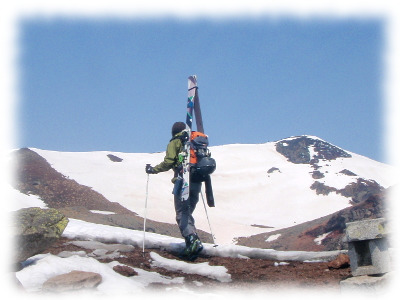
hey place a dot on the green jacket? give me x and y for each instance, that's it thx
(171, 159)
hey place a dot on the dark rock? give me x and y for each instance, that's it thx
(296, 150)
(321, 188)
(357, 191)
(361, 190)
(317, 175)
(125, 271)
(347, 172)
(273, 169)
(114, 158)
(74, 280)
(36, 229)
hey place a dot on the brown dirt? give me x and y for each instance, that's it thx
(245, 273)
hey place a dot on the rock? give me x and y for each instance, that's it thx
(317, 175)
(321, 188)
(347, 172)
(341, 262)
(361, 190)
(368, 247)
(74, 280)
(114, 158)
(273, 169)
(125, 271)
(297, 150)
(35, 230)
(366, 284)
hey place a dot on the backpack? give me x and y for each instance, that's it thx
(202, 164)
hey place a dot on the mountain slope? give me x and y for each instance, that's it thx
(322, 234)
(35, 176)
(258, 188)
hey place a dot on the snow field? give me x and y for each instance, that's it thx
(244, 192)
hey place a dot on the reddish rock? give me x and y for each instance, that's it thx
(125, 271)
(342, 261)
(74, 280)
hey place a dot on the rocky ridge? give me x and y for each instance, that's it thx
(368, 200)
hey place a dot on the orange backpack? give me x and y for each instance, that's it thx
(202, 164)
(199, 146)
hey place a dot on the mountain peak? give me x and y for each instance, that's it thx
(306, 149)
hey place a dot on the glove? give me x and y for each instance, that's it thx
(150, 170)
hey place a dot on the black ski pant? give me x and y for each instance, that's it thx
(184, 209)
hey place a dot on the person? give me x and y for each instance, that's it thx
(183, 209)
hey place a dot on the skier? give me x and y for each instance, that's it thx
(183, 209)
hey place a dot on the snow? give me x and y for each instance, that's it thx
(20, 200)
(318, 240)
(48, 265)
(214, 272)
(282, 263)
(244, 193)
(273, 237)
(82, 230)
(102, 212)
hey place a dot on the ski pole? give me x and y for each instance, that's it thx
(209, 224)
(145, 212)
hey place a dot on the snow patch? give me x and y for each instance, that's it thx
(21, 200)
(204, 269)
(318, 240)
(77, 229)
(102, 212)
(95, 245)
(282, 263)
(65, 254)
(273, 237)
(48, 266)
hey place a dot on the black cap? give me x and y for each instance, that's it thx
(178, 127)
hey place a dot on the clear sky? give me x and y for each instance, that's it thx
(88, 84)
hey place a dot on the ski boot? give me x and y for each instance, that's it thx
(193, 247)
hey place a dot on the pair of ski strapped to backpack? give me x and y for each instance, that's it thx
(196, 161)
(200, 161)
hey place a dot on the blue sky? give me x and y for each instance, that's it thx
(88, 84)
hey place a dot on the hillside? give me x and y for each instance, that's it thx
(261, 191)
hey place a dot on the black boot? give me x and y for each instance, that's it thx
(193, 247)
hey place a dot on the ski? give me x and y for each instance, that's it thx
(192, 88)
(193, 107)
(200, 128)
(197, 111)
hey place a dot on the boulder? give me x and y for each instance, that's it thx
(35, 230)
(74, 280)
(125, 270)
(342, 261)
(367, 285)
